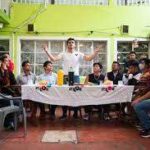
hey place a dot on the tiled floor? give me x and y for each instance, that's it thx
(94, 135)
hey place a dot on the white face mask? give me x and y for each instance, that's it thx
(141, 66)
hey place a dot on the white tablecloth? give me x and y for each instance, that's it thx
(89, 95)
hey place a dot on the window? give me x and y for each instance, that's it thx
(66, 2)
(32, 50)
(82, 2)
(4, 46)
(29, 1)
(124, 48)
(132, 2)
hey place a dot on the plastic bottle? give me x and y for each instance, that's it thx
(60, 77)
(71, 76)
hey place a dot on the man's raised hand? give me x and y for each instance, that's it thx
(45, 48)
(99, 48)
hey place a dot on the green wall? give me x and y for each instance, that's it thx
(78, 21)
(4, 18)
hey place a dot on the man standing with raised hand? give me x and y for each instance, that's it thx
(71, 60)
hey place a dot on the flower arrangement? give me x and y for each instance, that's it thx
(43, 85)
(109, 85)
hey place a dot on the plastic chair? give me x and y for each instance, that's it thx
(12, 109)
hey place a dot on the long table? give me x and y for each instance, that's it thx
(78, 96)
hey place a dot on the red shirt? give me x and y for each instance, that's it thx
(11, 66)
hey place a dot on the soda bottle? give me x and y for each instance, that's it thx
(71, 76)
(60, 77)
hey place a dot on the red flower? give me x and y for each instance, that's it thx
(109, 88)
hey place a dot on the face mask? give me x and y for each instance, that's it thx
(141, 66)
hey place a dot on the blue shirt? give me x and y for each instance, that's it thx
(50, 77)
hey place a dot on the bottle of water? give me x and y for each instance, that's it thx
(60, 77)
(71, 76)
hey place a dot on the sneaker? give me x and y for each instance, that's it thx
(86, 117)
(11, 126)
(106, 116)
(139, 128)
(137, 125)
(145, 134)
(64, 117)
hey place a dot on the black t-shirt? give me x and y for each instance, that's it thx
(115, 79)
(7, 76)
(7, 79)
(96, 79)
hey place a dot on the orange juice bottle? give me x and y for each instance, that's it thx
(60, 77)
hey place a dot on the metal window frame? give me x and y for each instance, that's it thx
(59, 39)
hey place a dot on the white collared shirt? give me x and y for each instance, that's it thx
(25, 79)
(71, 60)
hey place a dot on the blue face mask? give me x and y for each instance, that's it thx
(141, 66)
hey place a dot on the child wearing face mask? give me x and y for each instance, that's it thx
(133, 75)
(141, 66)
